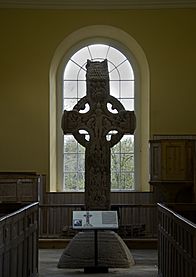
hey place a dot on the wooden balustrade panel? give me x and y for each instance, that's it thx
(134, 220)
(177, 244)
(56, 216)
(55, 219)
(19, 242)
(143, 218)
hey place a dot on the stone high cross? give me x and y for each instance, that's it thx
(98, 122)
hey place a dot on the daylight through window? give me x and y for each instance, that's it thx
(122, 87)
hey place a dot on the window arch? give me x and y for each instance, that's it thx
(68, 53)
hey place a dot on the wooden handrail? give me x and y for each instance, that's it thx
(112, 205)
(61, 205)
(18, 211)
(178, 216)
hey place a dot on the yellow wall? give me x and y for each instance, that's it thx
(28, 39)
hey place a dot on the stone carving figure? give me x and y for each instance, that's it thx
(98, 122)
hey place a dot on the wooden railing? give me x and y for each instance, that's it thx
(56, 219)
(177, 243)
(135, 221)
(18, 240)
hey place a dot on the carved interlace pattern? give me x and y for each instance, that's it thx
(98, 122)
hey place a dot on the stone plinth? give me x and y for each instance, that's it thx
(112, 251)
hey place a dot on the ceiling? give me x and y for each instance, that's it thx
(97, 4)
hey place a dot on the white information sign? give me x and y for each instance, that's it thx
(95, 220)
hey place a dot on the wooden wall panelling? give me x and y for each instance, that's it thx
(21, 187)
(171, 169)
(155, 160)
(116, 197)
(171, 160)
(56, 213)
(8, 191)
(176, 160)
(131, 217)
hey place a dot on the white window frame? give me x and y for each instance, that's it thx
(122, 41)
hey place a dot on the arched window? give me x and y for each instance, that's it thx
(122, 85)
(128, 82)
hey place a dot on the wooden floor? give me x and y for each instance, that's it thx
(145, 265)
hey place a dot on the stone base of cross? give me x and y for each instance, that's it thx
(112, 252)
(98, 122)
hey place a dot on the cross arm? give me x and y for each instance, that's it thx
(126, 121)
(70, 121)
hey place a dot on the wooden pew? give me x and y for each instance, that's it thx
(177, 241)
(18, 240)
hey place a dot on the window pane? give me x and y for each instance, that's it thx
(128, 104)
(115, 180)
(81, 178)
(111, 66)
(71, 71)
(126, 71)
(70, 144)
(82, 74)
(81, 89)
(70, 162)
(115, 56)
(81, 149)
(114, 75)
(98, 51)
(115, 88)
(127, 181)
(127, 162)
(70, 89)
(81, 56)
(81, 162)
(74, 181)
(127, 144)
(71, 182)
(127, 89)
(69, 104)
(115, 162)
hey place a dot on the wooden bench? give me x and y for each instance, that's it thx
(18, 240)
(177, 242)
